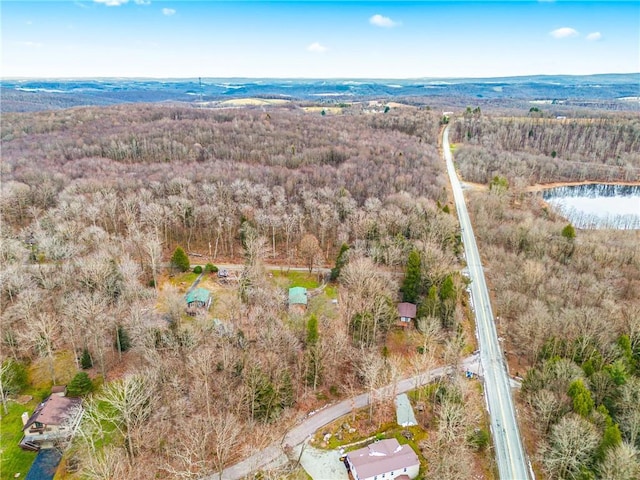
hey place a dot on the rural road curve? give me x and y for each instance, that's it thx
(510, 456)
(274, 454)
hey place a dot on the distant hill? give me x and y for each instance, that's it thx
(612, 91)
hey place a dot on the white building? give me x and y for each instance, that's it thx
(383, 460)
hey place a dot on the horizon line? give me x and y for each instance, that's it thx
(134, 77)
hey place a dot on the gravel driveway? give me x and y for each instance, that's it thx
(322, 464)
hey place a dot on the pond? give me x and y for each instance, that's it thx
(597, 206)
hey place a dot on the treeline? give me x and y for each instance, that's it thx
(548, 150)
(568, 308)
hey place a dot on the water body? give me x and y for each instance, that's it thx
(597, 206)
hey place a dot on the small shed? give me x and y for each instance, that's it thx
(298, 296)
(404, 411)
(198, 298)
(406, 313)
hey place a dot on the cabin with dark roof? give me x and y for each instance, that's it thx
(56, 418)
(406, 313)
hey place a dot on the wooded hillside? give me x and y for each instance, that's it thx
(94, 203)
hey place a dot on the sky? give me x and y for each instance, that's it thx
(317, 39)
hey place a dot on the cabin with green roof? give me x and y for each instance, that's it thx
(198, 299)
(298, 297)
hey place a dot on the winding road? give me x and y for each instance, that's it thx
(510, 456)
(274, 455)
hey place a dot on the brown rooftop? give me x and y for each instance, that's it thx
(55, 410)
(407, 310)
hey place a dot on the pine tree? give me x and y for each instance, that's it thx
(447, 301)
(123, 341)
(180, 260)
(80, 385)
(341, 261)
(86, 361)
(569, 232)
(412, 278)
(581, 396)
(312, 331)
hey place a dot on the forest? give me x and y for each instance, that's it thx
(97, 203)
(566, 299)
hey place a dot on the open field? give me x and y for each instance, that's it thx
(239, 102)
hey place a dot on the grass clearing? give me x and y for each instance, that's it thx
(331, 291)
(295, 278)
(64, 368)
(183, 280)
(13, 459)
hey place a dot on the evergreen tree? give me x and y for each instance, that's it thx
(412, 278)
(85, 360)
(611, 436)
(569, 232)
(312, 331)
(180, 260)
(286, 392)
(80, 385)
(123, 341)
(447, 296)
(341, 261)
(430, 307)
(314, 353)
(581, 396)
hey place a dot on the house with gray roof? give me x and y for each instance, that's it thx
(383, 460)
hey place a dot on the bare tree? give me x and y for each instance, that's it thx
(572, 443)
(226, 434)
(310, 251)
(371, 368)
(126, 405)
(621, 462)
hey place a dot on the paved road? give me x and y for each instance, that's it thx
(274, 454)
(510, 457)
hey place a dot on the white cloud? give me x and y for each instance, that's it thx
(30, 44)
(142, 2)
(112, 3)
(380, 21)
(316, 47)
(594, 36)
(168, 11)
(564, 32)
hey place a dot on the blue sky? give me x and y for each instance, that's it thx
(318, 39)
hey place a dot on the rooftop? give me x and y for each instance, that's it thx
(297, 296)
(382, 457)
(407, 310)
(55, 410)
(198, 295)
